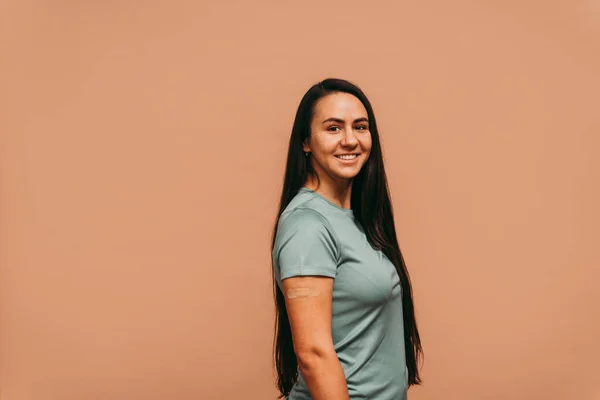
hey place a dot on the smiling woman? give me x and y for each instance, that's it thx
(339, 142)
(345, 322)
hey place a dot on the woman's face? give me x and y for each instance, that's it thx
(340, 140)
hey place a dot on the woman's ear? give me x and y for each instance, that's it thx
(306, 146)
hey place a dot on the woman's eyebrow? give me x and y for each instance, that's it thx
(341, 121)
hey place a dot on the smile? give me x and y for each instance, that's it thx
(347, 158)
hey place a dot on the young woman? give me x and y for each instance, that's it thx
(345, 323)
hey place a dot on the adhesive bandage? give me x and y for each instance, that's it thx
(295, 293)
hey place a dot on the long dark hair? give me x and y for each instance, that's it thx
(370, 201)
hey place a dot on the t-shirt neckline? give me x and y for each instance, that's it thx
(342, 209)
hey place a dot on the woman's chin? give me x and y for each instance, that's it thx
(346, 174)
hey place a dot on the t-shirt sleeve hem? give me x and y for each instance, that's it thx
(305, 270)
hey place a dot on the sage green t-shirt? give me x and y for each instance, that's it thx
(317, 237)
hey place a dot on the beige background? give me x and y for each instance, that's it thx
(142, 151)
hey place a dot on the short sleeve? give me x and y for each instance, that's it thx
(305, 245)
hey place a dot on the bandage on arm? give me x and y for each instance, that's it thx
(301, 292)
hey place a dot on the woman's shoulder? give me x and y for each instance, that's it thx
(304, 225)
(305, 228)
(303, 217)
(304, 207)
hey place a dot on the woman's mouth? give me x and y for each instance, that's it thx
(347, 158)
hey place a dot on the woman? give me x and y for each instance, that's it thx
(345, 322)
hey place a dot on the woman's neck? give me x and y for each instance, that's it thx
(338, 193)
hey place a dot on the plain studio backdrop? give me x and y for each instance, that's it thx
(142, 152)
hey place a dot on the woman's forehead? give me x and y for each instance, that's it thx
(340, 105)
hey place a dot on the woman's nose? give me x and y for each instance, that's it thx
(349, 137)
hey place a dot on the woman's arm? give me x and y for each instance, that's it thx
(308, 301)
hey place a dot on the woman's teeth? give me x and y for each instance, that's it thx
(349, 157)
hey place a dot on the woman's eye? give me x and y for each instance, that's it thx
(361, 127)
(333, 128)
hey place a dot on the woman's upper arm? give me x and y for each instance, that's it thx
(306, 255)
(308, 300)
